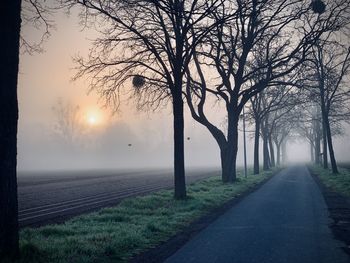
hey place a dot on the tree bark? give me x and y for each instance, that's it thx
(266, 157)
(312, 152)
(324, 131)
(317, 136)
(324, 145)
(330, 146)
(272, 152)
(278, 148)
(179, 156)
(227, 163)
(317, 142)
(317, 152)
(10, 20)
(228, 151)
(284, 151)
(256, 147)
(178, 111)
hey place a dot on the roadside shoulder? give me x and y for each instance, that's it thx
(339, 210)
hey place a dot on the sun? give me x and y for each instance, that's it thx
(92, 120)
(95, 118)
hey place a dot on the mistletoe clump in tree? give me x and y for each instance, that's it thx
(154, 39)
(262, 44)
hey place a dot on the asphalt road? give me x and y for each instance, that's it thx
(47, 197)
(286, 220)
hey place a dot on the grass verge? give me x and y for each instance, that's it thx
(136, 224)
(339, 183)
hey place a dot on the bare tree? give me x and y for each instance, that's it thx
(151, 42)
(310, 125)
(309, 128)
(266, 109)
(329, 68)
(285, 124)
(265, 41)
(68, 126)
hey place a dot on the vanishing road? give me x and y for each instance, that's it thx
(286, 220)
(47, 197)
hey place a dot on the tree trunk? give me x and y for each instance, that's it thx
(272, 152)
(227, 144)
(256, 147)
(278, 148)
(312, 153)
(317, 152)
(233, 141)
(330, 146)
(284, 151)
(317, 132)
(227, 164)
(10, 20)
(266, 157)
(228, 152)
(179, 156)
(324, 131)
(324, 140)
(317, 145)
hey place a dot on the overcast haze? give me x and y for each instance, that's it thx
(44, 78)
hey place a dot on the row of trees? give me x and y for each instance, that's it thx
(196, 52)
(313, 107)
(256, 53)
(326, 79)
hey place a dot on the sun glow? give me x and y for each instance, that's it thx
(96, 118)
(92, 120)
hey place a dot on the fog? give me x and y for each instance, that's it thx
(126, 139)
(147, 143)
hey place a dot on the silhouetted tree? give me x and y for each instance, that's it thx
(262, 112)
(277, 102)
(309, 128)
(310, 125)
(263, 42)
(330, 64)
(266, 109)
(11, 40)
(68, 124)
(10, 20)
(284, 124)
(154, 39)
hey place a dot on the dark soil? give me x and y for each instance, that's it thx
(161, 252)
(339, 212)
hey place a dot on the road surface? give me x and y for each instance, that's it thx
(286, 220)
(46, 197)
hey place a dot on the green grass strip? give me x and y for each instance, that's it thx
(134, 225)
(338, 182)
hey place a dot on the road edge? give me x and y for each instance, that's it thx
(167, 248)
(339, 211)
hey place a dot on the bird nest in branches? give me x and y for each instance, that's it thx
(318, 6)
(138, 81)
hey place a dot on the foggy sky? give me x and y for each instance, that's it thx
(46, 77)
